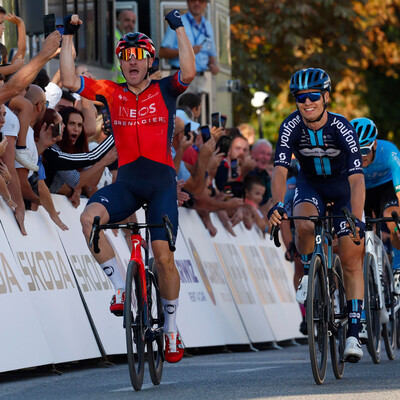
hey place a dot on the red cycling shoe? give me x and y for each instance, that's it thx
(173, 347)
(117, 303)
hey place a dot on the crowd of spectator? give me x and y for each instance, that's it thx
(54, 141)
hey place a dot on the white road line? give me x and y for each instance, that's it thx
(145, 386)
(249, 370)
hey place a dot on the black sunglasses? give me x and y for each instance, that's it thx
(312, 96)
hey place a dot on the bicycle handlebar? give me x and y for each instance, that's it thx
(394, 218)
(134, 227)
(350, 218)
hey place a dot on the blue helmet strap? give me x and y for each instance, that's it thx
(321, 115)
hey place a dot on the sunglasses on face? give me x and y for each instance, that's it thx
(312, 96)
(367, 149)
(138, 53)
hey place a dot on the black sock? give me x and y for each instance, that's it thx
(20, 147)
(354, 308)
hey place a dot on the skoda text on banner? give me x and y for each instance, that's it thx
(18, 315)
(96, 287)
(48, 282)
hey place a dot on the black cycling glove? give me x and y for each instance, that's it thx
(174, 19)
(361, 225)
(278, 206)
(70, 29)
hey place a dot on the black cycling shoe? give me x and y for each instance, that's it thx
(303, 327)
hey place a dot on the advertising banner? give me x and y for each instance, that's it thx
(208, 265)
(241, 283)
(46, 278)
(95, 285)
(23, 342)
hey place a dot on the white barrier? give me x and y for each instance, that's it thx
(233, 290)
(43, 275)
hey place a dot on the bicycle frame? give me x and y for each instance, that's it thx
(374, 246)
(324, 236)
(136, 256)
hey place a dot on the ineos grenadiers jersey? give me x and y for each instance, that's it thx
(385, 167)
(143, 124)
(326, 154)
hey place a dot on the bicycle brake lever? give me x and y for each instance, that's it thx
(395, 217)
(275, 235)
(168, 230)
(350, 218)
(94, 235)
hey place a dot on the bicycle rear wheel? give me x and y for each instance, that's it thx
(134, 326)
(337, 340)
(389, 329)
(371, 306)
(317, 319)
(155, 344)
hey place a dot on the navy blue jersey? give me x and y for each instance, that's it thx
(325, 154)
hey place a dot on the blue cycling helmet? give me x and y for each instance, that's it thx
(310, 78)
(366, 130)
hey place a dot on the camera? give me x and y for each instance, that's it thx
(233, 86)
(106, 121)
(216, 119)
(234, 167)
(223, 144)
(205, 133)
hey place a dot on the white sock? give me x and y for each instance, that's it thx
(110, 268)
(170, 307)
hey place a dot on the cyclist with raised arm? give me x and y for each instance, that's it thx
(381, 165)
(330, 171)
(143, 118)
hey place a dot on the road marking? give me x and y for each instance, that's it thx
(250, 369)
(145, 386)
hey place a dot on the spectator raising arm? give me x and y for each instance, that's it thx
(67, 65)
(20, 54)
(29, 71)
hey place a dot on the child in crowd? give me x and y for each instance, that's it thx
(254, 192)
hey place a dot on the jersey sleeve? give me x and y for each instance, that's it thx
(91, 88)
(174, 84)
(350, 146)
(66, 161)
(284, 145)
(394, 166)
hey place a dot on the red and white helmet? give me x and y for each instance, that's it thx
(136, 39)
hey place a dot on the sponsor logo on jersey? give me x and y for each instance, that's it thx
(282, 156)
(287, 129)
(347, 134)
(357, 163)
(318, 152)
(102, 198)
(145, 115)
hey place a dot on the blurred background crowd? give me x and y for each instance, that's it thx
(54, 141)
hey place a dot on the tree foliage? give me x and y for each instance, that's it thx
(356, 42)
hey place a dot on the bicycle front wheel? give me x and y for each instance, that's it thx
(372, 312)
(317, 318)
(155, 343)
(134, 326)
(337, 340)
(389, 329)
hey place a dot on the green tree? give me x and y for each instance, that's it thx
(272, 39)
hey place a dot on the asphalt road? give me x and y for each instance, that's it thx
(277, 374)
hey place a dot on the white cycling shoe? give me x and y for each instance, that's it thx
(352, 351)
(301, 294)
